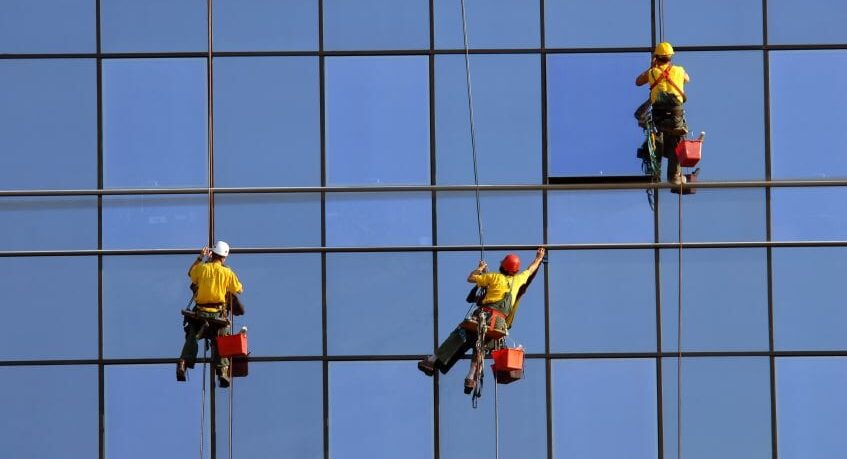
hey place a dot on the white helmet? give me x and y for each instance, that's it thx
(221, 248)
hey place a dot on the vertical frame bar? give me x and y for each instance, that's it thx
(436, 424)
(322, 102)
(101, 370)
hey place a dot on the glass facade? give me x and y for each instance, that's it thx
(329, 142)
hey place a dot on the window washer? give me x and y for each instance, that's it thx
(667, 96)
(503, 293)
(212, 282)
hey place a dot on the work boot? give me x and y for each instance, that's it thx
(223, 377)
(180, 370)
(427, 367)
(678, 179)
(470, 384)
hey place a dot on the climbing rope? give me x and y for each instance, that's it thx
(203, 404)
(679, 331)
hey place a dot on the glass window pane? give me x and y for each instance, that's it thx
(140, 425)
(47, 26)
(711, 23)
(378, 219)
(267, 122)
(142, 297)
(507, 119)
(794, 113)
(377, 120)
(599, 88)
(810, 404)
(49, 411)
(453, 288)
(153, 25)
(367, 307)
(266, 25)
(590, 317)
(808, 304)
(50, 300)
(522, 415)
(508, 218)
(269, 422)
(154, 123)
(155, 221)
(597, 400)
(58, 97)
(570, 24)
(48, 223)
(599, 217)
(376, 24)
(735, 132)
(365, 403)
(725, 398)
(724, 299)
(809, 214)
(490, 24)
(810, 21)
(265, 220)
(713, 215)
(298, 315)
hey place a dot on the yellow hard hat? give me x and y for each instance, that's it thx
(663, 49)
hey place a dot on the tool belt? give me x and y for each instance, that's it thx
(210, 307)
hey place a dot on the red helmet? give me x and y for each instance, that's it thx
(511, 264)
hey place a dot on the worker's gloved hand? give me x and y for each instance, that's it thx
(205, 252)
(539, 253)
(483, 266)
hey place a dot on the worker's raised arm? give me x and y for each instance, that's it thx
(642, 79)
(539, 257)
(204, 252)
(474, 275)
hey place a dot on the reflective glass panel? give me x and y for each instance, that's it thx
(47, 26)
(795, 110)
(508, 218)
(48, 223)
(713, 215)
(810, 404)
(726, 408)
(598, 400)
(378, 219)
(49, 411)
(282, 299)
(52, 307)
(267, 121)
(153, 25)
(269, 220)
(365, 404)
(507, 119)
(377, 120)
(724, 299)
(155, 221)
(808, 303)
(453, 288)
(154, 123)
(266, 25)
(140, 425)
(521, 411)
(725, 100)
(142, 296)
(809, 214)
(490, 24)
(270, 422)
(599, 216)
(570, 24)
(587, 316)
(588, 97)
(810, 21)
(693, 22)
(58, 97)
(376, 24)
(369, 298)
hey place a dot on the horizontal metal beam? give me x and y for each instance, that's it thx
(581, 186)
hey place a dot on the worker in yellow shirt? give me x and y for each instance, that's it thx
(667, 96)
(503, 293)
(213, 281)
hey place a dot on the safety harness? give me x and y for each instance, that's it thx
(666, 76)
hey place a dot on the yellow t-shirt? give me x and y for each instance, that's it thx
(496, 285)
(213, 281)
(677, 75)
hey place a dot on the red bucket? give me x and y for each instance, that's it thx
(688, 152)
(508, 359)
(232, 345)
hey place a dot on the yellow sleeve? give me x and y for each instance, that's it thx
(484, 280)
(234, 284)
(194, 274)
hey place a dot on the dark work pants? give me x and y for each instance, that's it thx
(190, 348)
(458, 343)
(668, 114)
